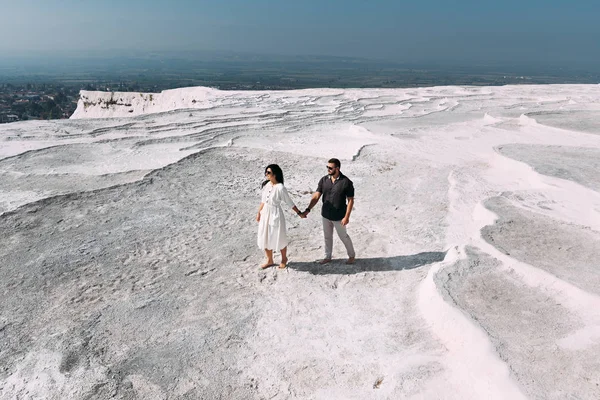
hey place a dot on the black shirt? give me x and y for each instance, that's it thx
(334, 196)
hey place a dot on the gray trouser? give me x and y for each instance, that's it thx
(341, 231)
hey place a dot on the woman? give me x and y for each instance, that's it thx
(271, 222)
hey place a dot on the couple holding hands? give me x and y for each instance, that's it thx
(335, 188)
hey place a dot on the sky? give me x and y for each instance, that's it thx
(468, 31)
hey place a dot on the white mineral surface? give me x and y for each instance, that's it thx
(129, 266)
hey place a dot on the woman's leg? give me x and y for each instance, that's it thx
(284, 259)
(269, 254)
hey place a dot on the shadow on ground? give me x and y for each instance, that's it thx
(380, 264)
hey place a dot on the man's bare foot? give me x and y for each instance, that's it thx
(324, 261)
(267, 265)
(350, 260)
(283, 264)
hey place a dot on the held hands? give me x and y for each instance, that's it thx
(304, 214)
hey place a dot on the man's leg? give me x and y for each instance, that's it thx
(328, 236)
(345, 238)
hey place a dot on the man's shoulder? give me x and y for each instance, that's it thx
(321, 183)
(344, 177)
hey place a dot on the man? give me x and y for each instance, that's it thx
(335, 188)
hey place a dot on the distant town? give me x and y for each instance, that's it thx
(43, 101)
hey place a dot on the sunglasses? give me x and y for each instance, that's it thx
(268, 172)
(330, 168)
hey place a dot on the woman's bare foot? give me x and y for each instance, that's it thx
(283, 264)
(267, 264)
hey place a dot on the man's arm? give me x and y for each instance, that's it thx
(346, 219)
(313, 201)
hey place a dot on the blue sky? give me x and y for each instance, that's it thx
(549, 31)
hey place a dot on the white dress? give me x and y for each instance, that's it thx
(271, 227)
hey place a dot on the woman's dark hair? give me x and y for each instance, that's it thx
(276, 171)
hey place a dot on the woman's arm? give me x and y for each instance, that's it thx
(259, 210)
(285, 197)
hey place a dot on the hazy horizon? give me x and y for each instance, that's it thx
(535, 33)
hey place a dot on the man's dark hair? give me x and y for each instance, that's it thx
(336, 162)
